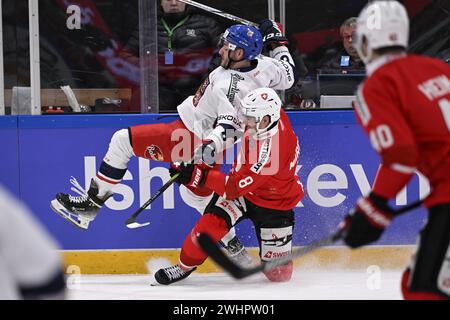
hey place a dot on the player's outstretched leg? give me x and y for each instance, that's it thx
(82, 209)
(191, 254)
(199, 198)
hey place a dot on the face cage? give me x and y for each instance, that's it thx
(242, 116)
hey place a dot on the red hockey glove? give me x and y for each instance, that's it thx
(190, 174)
(205, 155)
(272, 32)
(367, 221)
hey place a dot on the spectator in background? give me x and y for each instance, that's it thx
(187, 40)
(346, 59)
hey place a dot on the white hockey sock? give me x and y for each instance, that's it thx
(115, 162)
(230, 235)
(103, 187)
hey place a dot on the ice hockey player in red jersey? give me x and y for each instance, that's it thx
(404, 107)
(205, 117)
(262, 186)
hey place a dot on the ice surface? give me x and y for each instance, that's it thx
(314, 284)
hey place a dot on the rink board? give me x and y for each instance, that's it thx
(41, 153)
(140, 261)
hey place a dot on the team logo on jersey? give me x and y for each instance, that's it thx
(264, 96)
(233, 89)
(361, 107)
(200, 92)
(153, 152)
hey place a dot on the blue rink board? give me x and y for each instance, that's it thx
(41, 153)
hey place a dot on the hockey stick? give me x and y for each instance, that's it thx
(238, 272)
(219, 12)
(131, 222)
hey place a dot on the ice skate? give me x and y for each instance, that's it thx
(238, 253)
(79, 210)
(172, 274)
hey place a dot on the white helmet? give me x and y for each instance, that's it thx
(259, 103)
(383, 24)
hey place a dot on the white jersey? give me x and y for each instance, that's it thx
(28, 256)
(216, 100)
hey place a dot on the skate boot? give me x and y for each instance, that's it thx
(172, 274)
(238, 253)
(79, 210)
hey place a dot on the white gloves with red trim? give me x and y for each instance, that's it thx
(367, 221)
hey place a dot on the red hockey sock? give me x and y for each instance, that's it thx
(214, 226)
(418, 295)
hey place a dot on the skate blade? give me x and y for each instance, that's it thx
(62, 211)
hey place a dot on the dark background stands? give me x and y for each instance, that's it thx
(344, 58)
(192, 44)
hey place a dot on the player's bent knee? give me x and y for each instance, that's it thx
(281, 273)
(120, 142)
(196, 201)
(121, 136)
(210, 224)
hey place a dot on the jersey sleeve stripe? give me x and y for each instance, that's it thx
(402, 168)
(361, 107)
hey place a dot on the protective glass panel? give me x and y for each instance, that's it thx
(189, 42)
(85, 61)
(320, 34)
(95, 48)
(84, 56)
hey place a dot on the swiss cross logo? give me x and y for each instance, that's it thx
(268, 255)
(264, 96)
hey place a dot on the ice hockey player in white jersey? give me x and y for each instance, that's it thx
(213, 108)
(30, 265)
(205, 118)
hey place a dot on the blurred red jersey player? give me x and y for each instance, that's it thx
(404, 107)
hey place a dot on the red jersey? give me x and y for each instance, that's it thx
(404, 107)
(264, 171)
